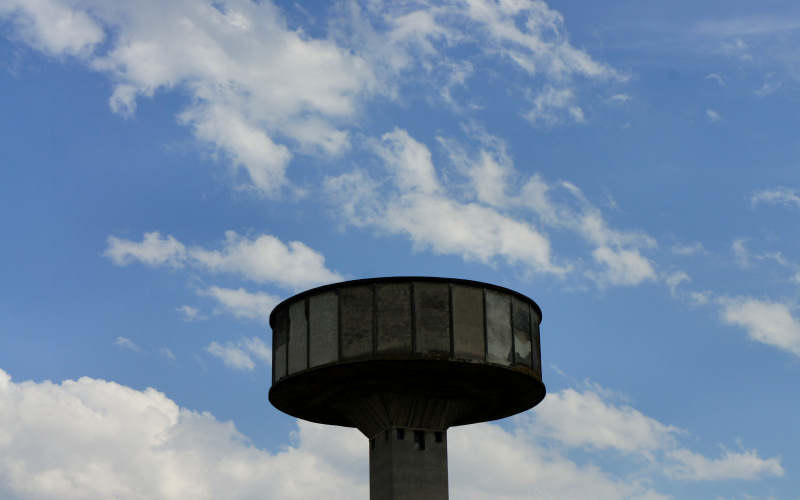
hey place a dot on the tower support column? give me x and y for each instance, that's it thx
(408, 464)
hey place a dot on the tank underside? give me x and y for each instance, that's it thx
(434, 394)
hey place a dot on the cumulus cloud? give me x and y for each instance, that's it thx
(585, 419)
(713, 116)
(241, 303)
(263, 259)
(257, 88)
(153, 250)
(242, 354)
(771, 323)
(51, 26)
(140, 444)
(260, 92)
(266, 259)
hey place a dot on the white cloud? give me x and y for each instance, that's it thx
(409, 161)
(619, 98)
(675, 279)
(262, 259)
(741, 253)
(189, 313)
(153, 250)
(777, 196)
(266, 259)
(744, 257)
(167, 353)
(689, 249)
(256, 87)
(415, 205)
(239, 355)
(241, 303)
(483, 216)
(585, 419)
(52, 27)
(736, 48)
(142, 445)
(261, 92)
(732, 465)
(622, 267)
(717, 78)
(771, 323)
(700, 298)
(713, 116)
(767, 88)
(552, 106)
(126, 343)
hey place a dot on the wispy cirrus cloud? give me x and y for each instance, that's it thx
(126, 343)
(777, 196)
(479, 216)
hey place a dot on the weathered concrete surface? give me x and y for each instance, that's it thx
(412, 356)
(408, 464)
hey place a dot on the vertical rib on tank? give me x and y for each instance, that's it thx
(403, 359)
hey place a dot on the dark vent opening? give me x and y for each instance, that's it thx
(419, 440)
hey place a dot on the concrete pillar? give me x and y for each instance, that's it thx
(408, 464)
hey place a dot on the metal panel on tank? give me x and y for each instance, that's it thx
(536, 346)
(498, 327)
(281, 339)
(468, 339)
(432, 317)
(323, 327)
(298, 336)
(521, 323)
(356, 309)
(393, 311)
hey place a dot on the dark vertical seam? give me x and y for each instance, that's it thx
(530, 334)
(374, 291)
(485, 328)
(338, 324)
(308, 332)
(288, 335)
(413, 315)
(450, 324)
(513, 359)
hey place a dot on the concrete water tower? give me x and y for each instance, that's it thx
(403, 359)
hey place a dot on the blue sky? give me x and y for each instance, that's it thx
(170, 171)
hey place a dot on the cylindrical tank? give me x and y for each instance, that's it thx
(403, 359)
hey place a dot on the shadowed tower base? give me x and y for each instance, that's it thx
(408, 464)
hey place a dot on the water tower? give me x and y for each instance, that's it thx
(403, 359)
